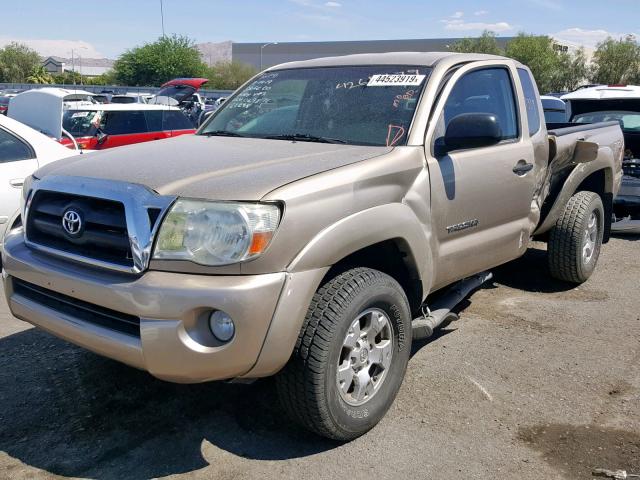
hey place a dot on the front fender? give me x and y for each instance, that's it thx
(395, 221)
(305, 273)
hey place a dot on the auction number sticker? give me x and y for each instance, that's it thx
(384, 80)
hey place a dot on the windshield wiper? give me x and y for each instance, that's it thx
(304, 137)
(222, 133)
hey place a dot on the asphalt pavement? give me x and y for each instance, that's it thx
(538, 380)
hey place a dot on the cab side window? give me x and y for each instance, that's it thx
(531, 100)
(488, 90)
(13, 149)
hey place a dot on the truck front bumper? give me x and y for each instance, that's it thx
(84, 305)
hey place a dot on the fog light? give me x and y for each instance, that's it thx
(221, 326)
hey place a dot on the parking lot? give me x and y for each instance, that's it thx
(536, 380)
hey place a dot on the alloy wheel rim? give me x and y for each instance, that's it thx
(590, 238)
(365, 357)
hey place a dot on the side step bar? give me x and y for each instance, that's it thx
(440, 311)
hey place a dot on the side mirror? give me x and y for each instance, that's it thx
(101, 137)
(472, 130)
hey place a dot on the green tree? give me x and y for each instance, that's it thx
(68, 77)
(538, 54)
(160, 61)
(107, 78)
(485, 43)
(616, 61)
(229, 75)
(17, 62)
(40, 75)
(572, 71)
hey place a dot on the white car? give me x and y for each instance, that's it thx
(618, 103)
(131, 98)
(22, 151)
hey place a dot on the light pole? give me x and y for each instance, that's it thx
(73, 64)
(262, 48)
(162, 17)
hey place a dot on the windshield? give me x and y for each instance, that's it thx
(369, 105)
(629, 121)
(123, 100)
(81, 123)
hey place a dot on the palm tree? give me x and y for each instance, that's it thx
(40, 75)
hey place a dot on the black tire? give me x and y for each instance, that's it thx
(567, 239)
(307, 386)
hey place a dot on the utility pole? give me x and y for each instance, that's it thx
(73, 67)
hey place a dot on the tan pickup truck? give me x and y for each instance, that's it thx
(302, 231)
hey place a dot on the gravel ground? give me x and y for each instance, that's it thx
(536, 381)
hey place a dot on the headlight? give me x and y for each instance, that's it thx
(216, 233)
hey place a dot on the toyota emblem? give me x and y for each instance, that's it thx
(72, 223)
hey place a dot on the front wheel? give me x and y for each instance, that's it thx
(350, 357)
(575, 240)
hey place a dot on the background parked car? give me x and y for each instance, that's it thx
(97, 127)
(131, 98)
(22, 151)
(102, 98)
(182, 92)
(4, 104)
(555, 110)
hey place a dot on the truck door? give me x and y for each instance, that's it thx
(481, 197)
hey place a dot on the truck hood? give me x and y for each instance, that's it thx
(217, 168)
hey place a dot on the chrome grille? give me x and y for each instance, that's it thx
(118, 221)
(104, 228)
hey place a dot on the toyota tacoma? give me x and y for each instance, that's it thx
(331, 211)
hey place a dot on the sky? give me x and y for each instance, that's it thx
(109, 28)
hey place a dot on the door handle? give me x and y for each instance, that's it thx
(522, 167)
(17, 182)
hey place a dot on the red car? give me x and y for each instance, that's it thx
(4, 105)
(96, 127)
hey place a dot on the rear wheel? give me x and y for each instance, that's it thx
(350, 357)
(576, 239)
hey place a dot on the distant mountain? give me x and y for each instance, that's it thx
(212, 52)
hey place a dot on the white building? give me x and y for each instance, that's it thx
(87, 67)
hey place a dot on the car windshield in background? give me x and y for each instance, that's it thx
(555, 116)
(123, 100)
(4, 100)
(368, 105)
(629, 121)
(81, 123)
